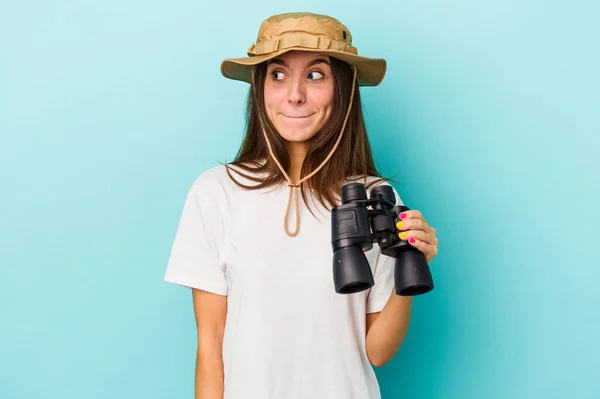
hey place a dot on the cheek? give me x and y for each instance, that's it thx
(273, 96)
(324, 97)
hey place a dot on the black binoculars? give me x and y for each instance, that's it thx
(351, 225)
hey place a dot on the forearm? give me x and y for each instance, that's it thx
(386, 334)
(209, 370)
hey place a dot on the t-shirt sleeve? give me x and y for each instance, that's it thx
(383, 277)
(195, 258)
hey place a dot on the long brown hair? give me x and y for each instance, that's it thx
(352, 158)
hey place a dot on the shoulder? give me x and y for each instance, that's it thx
(209, 186)
(215, 183)
(213, 176)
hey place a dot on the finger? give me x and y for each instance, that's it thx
(411, 214)
(419, 244)
(417, 234)
(429, 251)
(414, 224)
(414, 219)
(417, 225)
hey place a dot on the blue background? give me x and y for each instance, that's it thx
(488, 118)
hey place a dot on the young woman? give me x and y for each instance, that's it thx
(270, 324)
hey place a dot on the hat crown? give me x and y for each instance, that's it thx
(278, 26)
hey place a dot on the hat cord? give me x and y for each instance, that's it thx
(294, 187)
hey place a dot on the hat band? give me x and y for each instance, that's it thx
(300, 40)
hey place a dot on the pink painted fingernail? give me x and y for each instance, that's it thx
(412, 240)
(402, 215)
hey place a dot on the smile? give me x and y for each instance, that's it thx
(298, 117)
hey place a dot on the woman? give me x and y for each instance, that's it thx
(270, 324)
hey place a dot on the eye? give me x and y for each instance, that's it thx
(275, 75)
(315, 75)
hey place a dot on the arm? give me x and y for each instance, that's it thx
(210, 311)
(387, 329)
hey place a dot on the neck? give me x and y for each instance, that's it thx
(297, 152)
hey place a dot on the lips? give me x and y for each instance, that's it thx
(297, 117)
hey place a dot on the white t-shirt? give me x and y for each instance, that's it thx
(288, 334)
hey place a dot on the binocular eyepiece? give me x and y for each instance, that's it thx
(351, 236)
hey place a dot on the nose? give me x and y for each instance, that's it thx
(296, 95)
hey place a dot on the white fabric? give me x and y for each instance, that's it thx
(288, 334)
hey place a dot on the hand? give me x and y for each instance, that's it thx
(414, 229)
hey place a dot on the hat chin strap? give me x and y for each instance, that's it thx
(294, 187)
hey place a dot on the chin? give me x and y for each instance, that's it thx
(296, 136)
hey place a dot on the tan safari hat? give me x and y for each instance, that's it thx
(304, 31)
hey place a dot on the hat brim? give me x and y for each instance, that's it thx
(370, 71)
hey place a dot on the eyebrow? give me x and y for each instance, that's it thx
(313, 62)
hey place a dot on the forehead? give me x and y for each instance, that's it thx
(298, 57)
